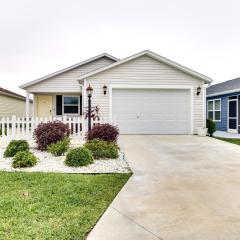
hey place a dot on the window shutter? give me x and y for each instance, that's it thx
(80, 104)
(59, 104)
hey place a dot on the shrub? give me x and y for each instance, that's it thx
(24, 159)
(51, 132)
(59, 148)
(105, 132)
(16, 146)
(79, 157)
(102, 149)
(211, 126)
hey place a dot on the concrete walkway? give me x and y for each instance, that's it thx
(183, 188)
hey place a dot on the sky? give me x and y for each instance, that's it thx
(41, 37)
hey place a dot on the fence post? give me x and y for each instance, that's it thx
(3, 127)
(13, 126)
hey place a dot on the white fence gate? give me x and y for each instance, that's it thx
(23, 128)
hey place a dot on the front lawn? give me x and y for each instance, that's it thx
(54, 206)
(230, 140)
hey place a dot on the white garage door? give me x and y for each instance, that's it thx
(152, 111)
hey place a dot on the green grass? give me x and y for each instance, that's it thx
(230, 140)
(54, 206)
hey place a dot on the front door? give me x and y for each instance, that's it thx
(44, 106)
(232, 115)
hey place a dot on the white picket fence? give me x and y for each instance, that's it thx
(23, 128)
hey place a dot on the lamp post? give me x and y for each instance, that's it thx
(89, 90)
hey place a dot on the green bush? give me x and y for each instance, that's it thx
(102, 149)
(24, 159)
(211, 126)
(16, 146)
(79, 157)
(59, 148)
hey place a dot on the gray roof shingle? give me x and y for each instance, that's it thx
(229, 85)
(12, 94)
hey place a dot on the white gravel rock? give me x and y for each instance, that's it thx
(48, 163)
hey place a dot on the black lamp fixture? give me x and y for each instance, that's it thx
(105, 89)
(198, 90)
(89, 91)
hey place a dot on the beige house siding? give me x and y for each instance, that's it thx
(67, 81)
(12, 106)
(145, 71)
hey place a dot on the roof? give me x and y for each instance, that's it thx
(154, 56)
(229, 86)
(24, 86)
(8, 93)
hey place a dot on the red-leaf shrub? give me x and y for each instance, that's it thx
(51, 132)
(105, 132)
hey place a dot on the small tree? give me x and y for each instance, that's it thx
(211, 126)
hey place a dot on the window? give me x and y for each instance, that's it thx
(70, 105)
(214, 110)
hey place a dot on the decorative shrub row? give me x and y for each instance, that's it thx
(102, 149)
(53, 137)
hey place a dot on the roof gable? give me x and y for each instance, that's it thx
(8, 93)
(24, 86)
(229, 86)
(154, 56)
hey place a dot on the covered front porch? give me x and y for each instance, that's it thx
(47, 104)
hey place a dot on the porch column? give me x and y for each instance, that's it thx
(27, 103)
(33, 106)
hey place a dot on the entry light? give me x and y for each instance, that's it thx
(198, 90)
(105, 89)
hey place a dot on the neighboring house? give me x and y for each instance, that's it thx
(146, 93)
(12, 104)
(223, 105)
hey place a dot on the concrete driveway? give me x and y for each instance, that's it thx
(183, 188)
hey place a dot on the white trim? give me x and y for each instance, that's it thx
(24, 86)
(224, 92)
(27, 103)
(154, 56)
(213, 100)
(228, 129)
(130, 86)
(204, 105)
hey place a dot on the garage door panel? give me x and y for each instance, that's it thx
(152, 111)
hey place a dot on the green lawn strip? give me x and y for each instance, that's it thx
(230, 140)
(54, 206)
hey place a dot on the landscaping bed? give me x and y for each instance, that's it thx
(49, 163)
(53, 151)
(54, 206)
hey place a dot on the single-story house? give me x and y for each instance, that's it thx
(12, 103)
(223, 105)
(144, 93)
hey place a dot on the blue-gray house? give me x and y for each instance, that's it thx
(223, 105)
